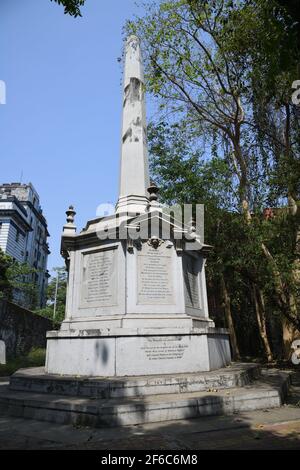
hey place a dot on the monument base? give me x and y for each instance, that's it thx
(119, 352)
(106, 402)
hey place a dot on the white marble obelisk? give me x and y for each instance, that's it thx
(134, 177)
(136, 294)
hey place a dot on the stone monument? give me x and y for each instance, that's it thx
(136, 296)
(137, 344)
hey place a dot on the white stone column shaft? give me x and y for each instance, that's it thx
(134, 171)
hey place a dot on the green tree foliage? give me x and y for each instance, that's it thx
(17, 281)
(56, 296)
(226, 134)
(5, 287)
(71, 7)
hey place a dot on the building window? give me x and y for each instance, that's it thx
(17, 236)
(1, 226)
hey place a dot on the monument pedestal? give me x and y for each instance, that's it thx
(135, 306)
(119, 352)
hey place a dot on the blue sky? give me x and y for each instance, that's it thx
(60, 127)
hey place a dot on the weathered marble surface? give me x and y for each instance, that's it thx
(134, 177)
(155, 275)
(99, 278)
(136, 352)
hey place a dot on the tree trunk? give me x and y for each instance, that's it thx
(287, 306)
(288, 334)
(261, 320)
(229, 320)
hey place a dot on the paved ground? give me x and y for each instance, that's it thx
(268, 429)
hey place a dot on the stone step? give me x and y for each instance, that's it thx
(267, 392)
(35, 380)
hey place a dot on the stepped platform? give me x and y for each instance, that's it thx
(108, 402)
(36, 380)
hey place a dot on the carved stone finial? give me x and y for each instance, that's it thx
(192, 223)
(70, 215)
(191, 234)
(153, 192)
(70, 228)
